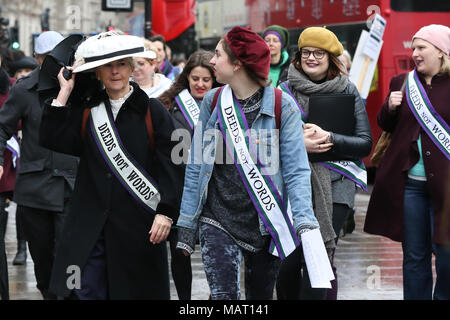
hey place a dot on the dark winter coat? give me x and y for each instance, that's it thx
(136, 268)
(385, 211)
(45, 178)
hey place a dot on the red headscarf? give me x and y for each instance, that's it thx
(250, 49)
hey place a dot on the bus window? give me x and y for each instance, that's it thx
(421, 5)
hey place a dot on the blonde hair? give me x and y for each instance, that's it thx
(445, 65)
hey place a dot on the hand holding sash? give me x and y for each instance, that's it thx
(160, 229)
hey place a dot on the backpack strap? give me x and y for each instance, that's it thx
(216, 96)
(278, 96)
(86, 113)
(148, 124)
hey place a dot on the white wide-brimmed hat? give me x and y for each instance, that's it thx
(107, 47)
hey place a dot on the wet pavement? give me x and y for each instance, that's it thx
(369, 267)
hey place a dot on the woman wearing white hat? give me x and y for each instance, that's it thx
(126, 184)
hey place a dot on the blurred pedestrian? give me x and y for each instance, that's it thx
(407, 201)
(127, 184)
(179, 62)
(316, 69)
(23, 67)
(146, 74)
(277, 38)
(20, 68)
(164, 63)
(237, 208)
(45, 179)
(183, 101)
(346, 59)
(6, 182)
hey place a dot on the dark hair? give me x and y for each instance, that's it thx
(8, 57)
(252, 75)
(199, 58)
(159, 38)
(335, 68)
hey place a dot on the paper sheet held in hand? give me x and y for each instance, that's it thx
(316, 258)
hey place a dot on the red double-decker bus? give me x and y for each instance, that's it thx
(347, 18)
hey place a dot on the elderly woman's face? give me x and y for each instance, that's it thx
(315, 62)
(115, 76)
(426, 56)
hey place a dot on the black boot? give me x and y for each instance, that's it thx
(21, 256)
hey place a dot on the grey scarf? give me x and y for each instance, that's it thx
(302, 87)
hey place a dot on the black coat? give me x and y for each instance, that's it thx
(136, 268)
(44, 178)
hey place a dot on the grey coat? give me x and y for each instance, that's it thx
(45, 178)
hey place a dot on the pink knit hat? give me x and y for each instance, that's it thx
(436, 34)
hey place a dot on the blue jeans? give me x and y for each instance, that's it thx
(222, 259)
(418, 248)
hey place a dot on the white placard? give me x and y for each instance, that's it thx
(358, 65)
(372, 45)
(316, 258)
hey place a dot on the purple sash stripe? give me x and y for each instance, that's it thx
(432, 110)
(252, 150)
(105, 157)
(186, 116)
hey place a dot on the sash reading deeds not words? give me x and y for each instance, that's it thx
(189, 107)
(130, 174)
(431, 122)
(260, 188)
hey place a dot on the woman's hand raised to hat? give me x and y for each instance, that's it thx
(316, 139)
(66, 86)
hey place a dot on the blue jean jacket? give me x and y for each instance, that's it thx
(286, 163)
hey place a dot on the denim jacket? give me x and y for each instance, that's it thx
(292, 173)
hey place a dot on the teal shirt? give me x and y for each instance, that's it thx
(274, 73)
(418, 169)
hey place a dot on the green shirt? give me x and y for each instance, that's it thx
(275, 69)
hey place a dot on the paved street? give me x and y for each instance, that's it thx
(369, 267)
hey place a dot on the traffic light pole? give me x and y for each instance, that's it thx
(148, 19)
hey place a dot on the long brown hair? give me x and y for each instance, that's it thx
(199, 58)
(252, 75)
(335, 68)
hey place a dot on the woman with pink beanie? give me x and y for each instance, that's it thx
(407, 202)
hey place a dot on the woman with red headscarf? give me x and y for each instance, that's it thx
(237, 180)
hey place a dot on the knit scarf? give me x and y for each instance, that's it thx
(302, 87)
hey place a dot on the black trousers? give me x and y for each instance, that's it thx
(181, 268)
(4, 285)
(42, 229)
(293, 281)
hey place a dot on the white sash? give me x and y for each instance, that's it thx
(129, 173)
(431, 122)
(265, 198)
(189, 107)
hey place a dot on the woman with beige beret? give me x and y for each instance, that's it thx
(314, 70)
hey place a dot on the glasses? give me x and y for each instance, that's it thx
(318, 54)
